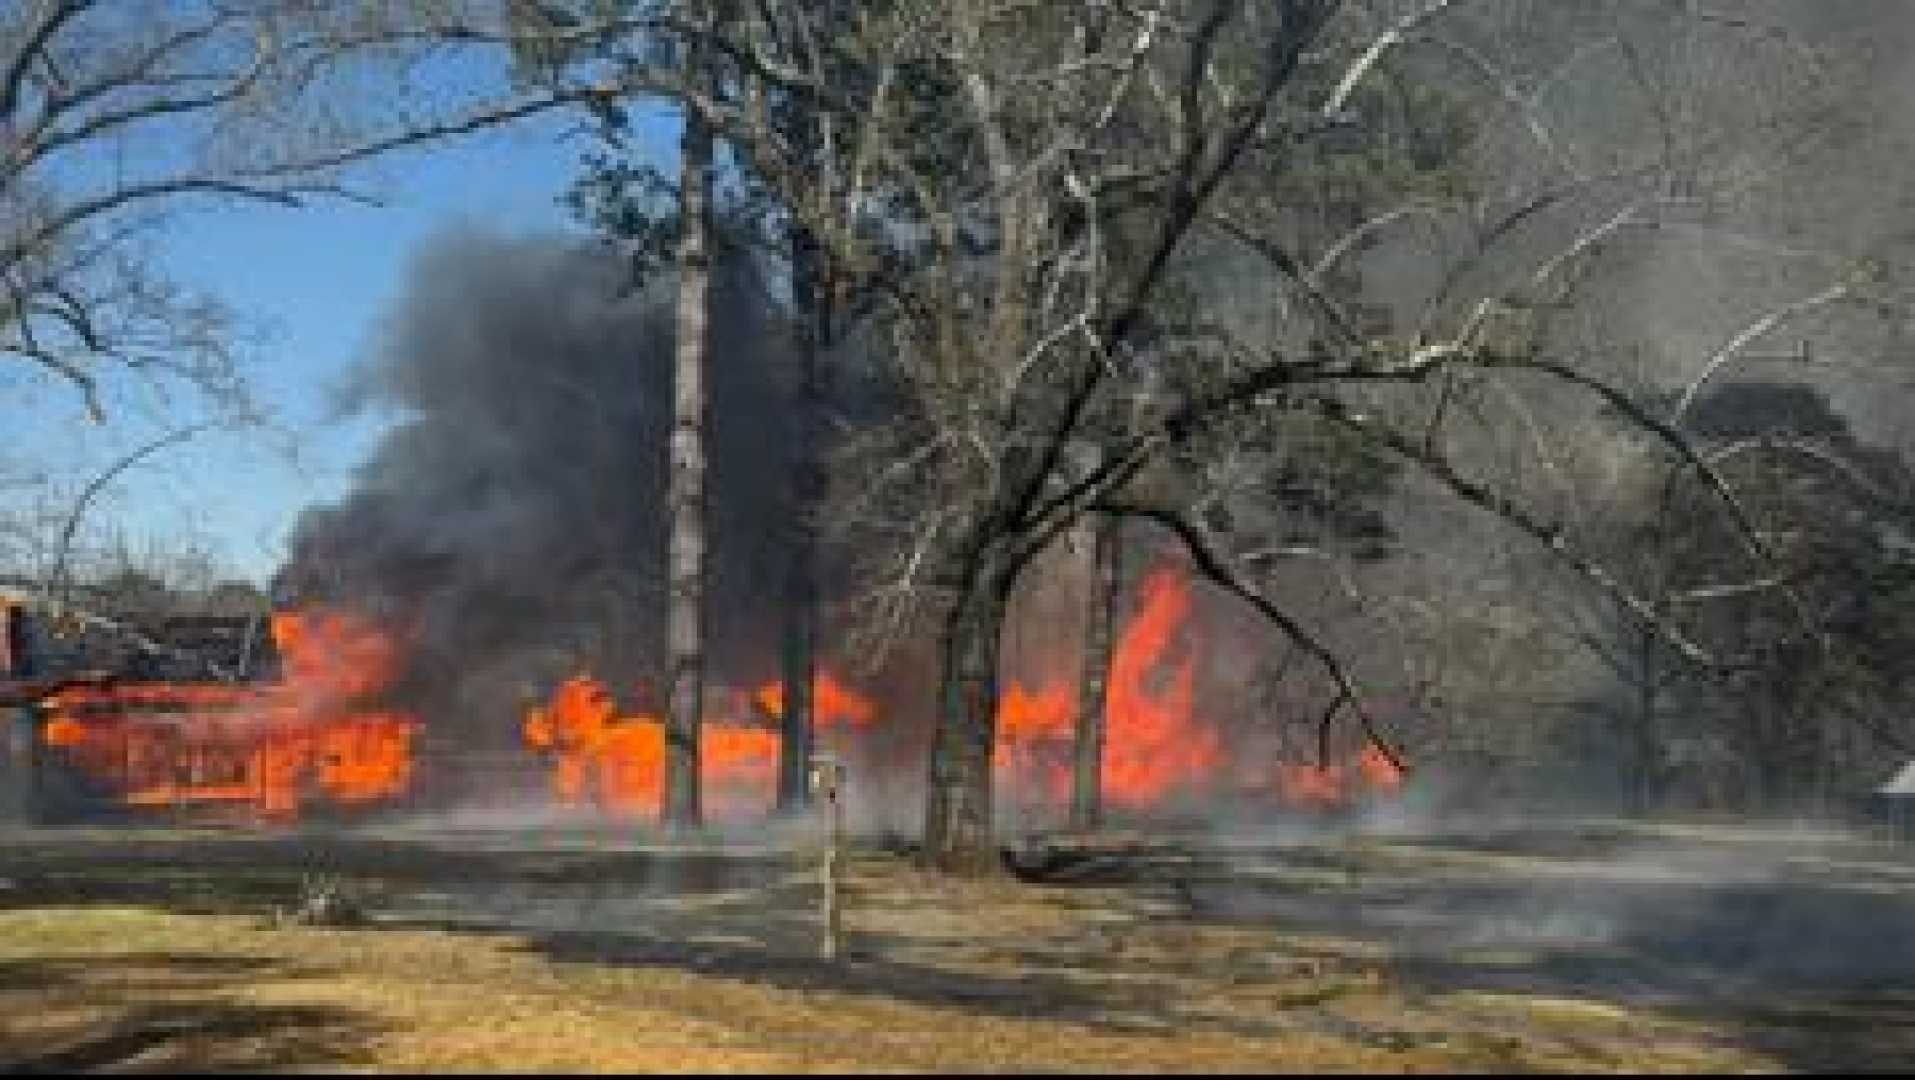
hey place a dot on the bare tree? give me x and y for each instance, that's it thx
(812, 320)
(115, 113)
(1026, 195)
(58, 580)
(1026, 192)
(109, 114)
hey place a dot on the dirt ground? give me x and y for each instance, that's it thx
(1585, 946)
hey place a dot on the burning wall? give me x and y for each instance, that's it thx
(316, 735)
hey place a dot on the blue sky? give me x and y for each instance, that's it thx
(317, 280)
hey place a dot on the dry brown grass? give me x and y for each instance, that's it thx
(127, 987)
(150, 949)
(434, 1001)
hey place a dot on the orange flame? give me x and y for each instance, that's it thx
(1378, 770)
(1156, 745)
(617, 763)
(1319, 787)
(273, 747)
(1035, 730)
(833, 703)
(1328, 787)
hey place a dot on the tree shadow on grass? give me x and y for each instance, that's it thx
(148, 971)
(867, 970)
(780, 951)
(195, 1024)
(209, 1036)
(250, 874)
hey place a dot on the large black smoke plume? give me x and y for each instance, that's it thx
(514, 516)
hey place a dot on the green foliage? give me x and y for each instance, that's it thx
(633, 202)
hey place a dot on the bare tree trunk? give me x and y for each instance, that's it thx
(19, 727)
(685, 632)
(1649, 668)
(1646, 757)
(957, 827)
(811, 315)
(1087, 779)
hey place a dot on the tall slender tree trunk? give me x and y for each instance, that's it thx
(1087, 777)
(1647, 757)
(19, 727)
(958, 811)
(810, 299)
(685, 630)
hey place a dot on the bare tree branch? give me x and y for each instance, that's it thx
(58, 585)
(1549, 535)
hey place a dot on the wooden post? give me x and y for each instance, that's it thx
(827, 778)
(19, 730)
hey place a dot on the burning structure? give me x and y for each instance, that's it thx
(312, 737)
(322, 734)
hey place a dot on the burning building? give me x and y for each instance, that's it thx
(322, 733)
(312, 737)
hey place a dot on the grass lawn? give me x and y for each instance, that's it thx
(942, 976)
